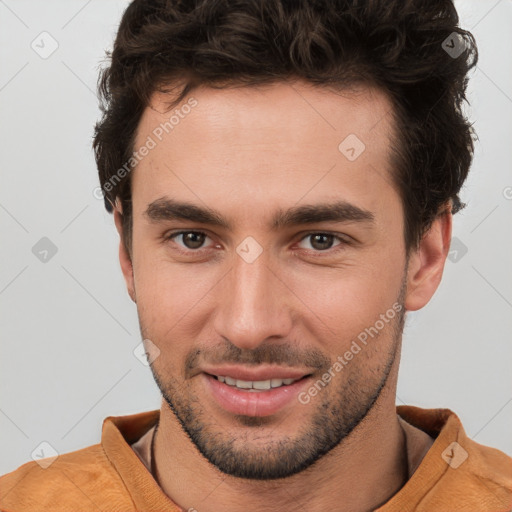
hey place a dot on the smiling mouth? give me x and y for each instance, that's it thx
(256, 385)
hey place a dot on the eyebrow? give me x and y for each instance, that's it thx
(165, 209)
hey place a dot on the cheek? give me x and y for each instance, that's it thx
(352, 311)
(351, 294)
(171, 301)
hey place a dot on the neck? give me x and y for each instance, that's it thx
(360, 474)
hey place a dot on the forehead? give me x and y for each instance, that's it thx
(266, 109)
(273, 144)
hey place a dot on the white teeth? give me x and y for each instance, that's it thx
(275, 383)
(256, 384)
(261, 384)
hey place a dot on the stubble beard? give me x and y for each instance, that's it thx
(250, 450)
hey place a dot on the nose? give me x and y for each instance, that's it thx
(254, 304)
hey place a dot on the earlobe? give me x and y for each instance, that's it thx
(124, 256)
(426, 263)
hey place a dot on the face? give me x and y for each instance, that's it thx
(269, 268)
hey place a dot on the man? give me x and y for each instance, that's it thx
(283, 178)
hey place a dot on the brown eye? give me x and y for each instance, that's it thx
(192, 240)
(320, 241)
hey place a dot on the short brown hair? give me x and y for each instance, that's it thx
(411, 49)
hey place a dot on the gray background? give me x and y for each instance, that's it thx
(69, 328)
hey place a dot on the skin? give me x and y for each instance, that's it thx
(245, 153)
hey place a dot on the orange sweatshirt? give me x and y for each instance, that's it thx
(457, 474)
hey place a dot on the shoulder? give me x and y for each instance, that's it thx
(457, 473)
(488, 470)
(79, 480)
(475, 477)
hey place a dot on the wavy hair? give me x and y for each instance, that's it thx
(413, 50)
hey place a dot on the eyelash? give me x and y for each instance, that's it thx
(342, 239)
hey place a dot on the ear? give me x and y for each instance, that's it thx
(124, 256)
(426, 263)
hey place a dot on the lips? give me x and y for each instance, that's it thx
(256, 374)
(254, 392)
